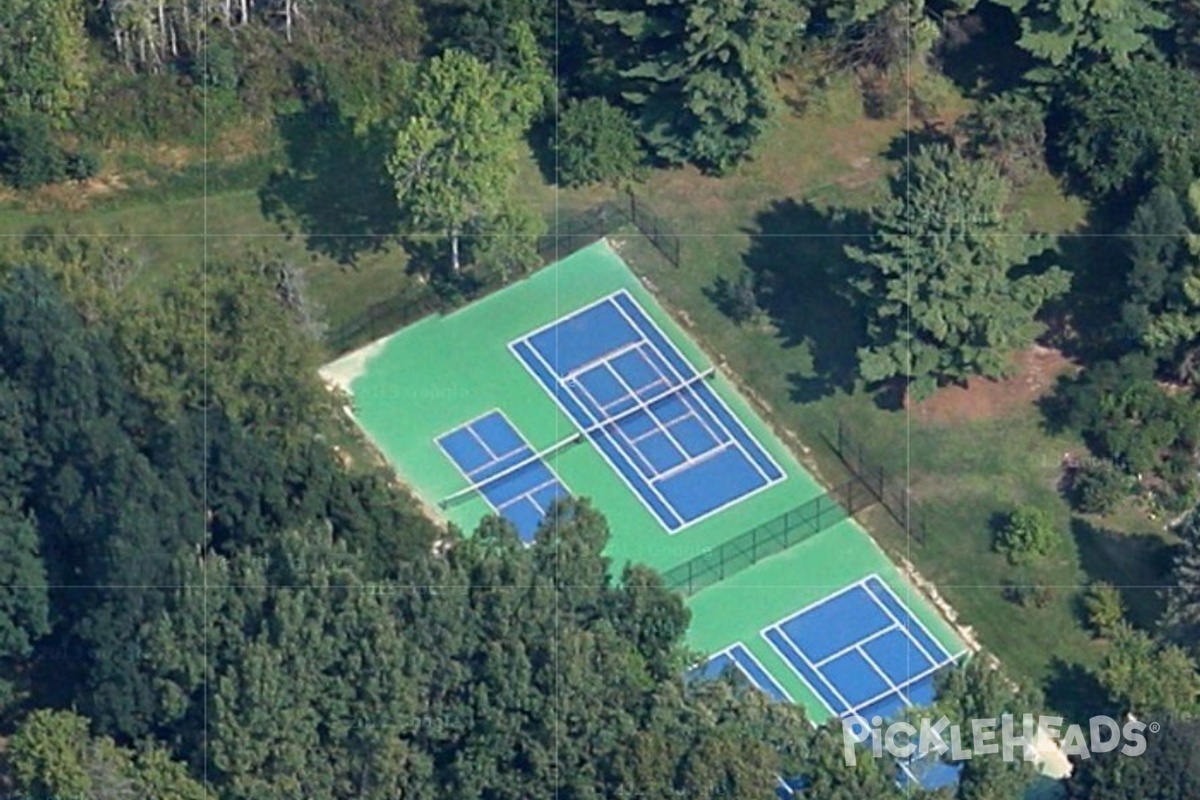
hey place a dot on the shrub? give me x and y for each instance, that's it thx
(1097, 487)
(1029, 595)
(82, 165)
(1027, 534)
(597, 142)
(1103, 607)
(29, 156)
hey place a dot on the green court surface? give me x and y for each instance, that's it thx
(738, 608)
(431, 377)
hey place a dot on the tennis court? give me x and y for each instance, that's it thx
(676, 428)
(647, 410)
(517, 484)
(861, 651)
(737, 657)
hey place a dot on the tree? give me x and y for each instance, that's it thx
(42, 50)
(1104, 608)
(452, 159)
(1181, 621)
(700, 76)
(1077, 32)
(1168, 770)
(1098, 487)
(978, 689)
(1010, 130)
(1128, 128)
(506, 244)
(596, 142)
(29, 156)
(52, 755)
(1127, 417)
(1161, 311)
(936, 281)
(1146, 677)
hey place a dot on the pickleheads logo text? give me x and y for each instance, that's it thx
(992, 736)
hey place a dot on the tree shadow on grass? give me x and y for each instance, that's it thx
(1137, 564)
(800, 269)
(335, 190)
(1074, 692)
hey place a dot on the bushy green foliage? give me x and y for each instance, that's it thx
(42, 58)
(1168, 770)
(1145, 676)
(29, 155)
(1127, 417)
(699, 76)
(1128, 128)
(451, 159)
(1027, 534)
(82, 165)
(980, 689)
(1181, 621)
(936, 282)
(1098, 487)
(596, 142)
(1010, 130)
(1069, 33)
(52, 755)
(1104, 608)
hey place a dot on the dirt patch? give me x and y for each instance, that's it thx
(1034, 374)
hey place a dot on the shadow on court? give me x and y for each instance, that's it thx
(801, 282)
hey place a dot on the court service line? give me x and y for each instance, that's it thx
(644, 501)
(637, 327)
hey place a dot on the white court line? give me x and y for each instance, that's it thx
(792, 646)
(571, 315)
(620, 474)
(856, 645)
(681, 523)
(529, 494)
(603, 358)
(716, 397)
(495, 510)
(728, 651)
(820, 697)
(675, 371)
(879, 670)
(482, 444)
(908, 634)
(690, 462)
(920, 676)
(641, 404)
(907, 610)
(645, 468)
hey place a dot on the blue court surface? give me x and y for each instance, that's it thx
(861, 651)
(651, 415)
(739, 658)
(489, 450)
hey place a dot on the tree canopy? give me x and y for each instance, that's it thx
(936, 282)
